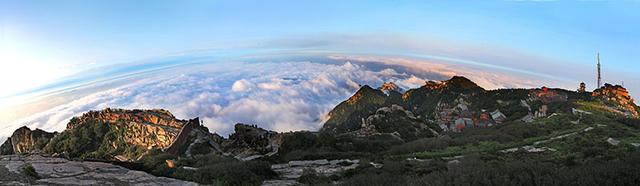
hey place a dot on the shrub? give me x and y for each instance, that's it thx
(374, 179)
(631, 122)
(425, 144)
(210, 169)
(228, 173)
(30, 171)
(310, 176)
(86, 141)
(298, 141)
(157, 164)
(524, 171)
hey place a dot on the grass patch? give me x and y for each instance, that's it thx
(483, 146)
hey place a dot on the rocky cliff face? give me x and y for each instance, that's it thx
(250, 141)
(124, 135)
(127, 135)
(618, 97)
(390, 87)
(6, 147)
(142, 128)
(158, 117)
(25, 140)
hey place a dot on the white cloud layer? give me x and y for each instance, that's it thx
(281, 96)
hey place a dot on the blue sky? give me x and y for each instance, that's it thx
(43, 41)
(61, 58)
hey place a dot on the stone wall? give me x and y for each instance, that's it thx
(180, 141)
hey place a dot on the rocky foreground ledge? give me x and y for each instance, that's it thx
(15, 170)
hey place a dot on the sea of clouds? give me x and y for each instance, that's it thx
(276, 95)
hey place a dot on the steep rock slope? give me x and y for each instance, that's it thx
(121, 134)
(25, 140)
(617, 97)
(250, 142)
(346, 116)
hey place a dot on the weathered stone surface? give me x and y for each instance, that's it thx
(308, 163)
(293, 170)
(6, 147)
(25, 140)
(613, 141)
(250, 142)
(183, 135)
(58, 171)
(390, 87)
(618, 97)
(202, 142)
(108, 115)
(280, 182)
(141, 129)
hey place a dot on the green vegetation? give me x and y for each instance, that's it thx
(209, 169)
(93, 140)
(310, 176)
(346, 115)
(475, 140)
(581, 155)
(30, 171)
(490, 169)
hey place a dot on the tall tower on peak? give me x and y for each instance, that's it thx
(599, 77)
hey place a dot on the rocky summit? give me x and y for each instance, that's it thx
(617, 97)
(25, 140)
(123, 135)
(430, 135)
(390, 87)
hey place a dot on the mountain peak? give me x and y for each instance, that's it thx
(364, 92)
(25, 140)
(462, 82)
(388, 87)
(458, 83)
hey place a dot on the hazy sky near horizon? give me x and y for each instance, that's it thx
(44, 41)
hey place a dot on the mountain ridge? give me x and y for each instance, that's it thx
(439, 121)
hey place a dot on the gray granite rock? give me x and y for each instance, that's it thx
(58, 171)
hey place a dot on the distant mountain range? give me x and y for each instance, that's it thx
(440, 121)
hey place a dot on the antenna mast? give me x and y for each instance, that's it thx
(599, 77)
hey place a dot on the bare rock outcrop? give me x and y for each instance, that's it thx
(136, 130)
(58, 171)
(24, 140)
(154, 116)
(250, 142)
(618, 97)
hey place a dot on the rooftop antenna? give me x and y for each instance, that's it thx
(599, 77)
